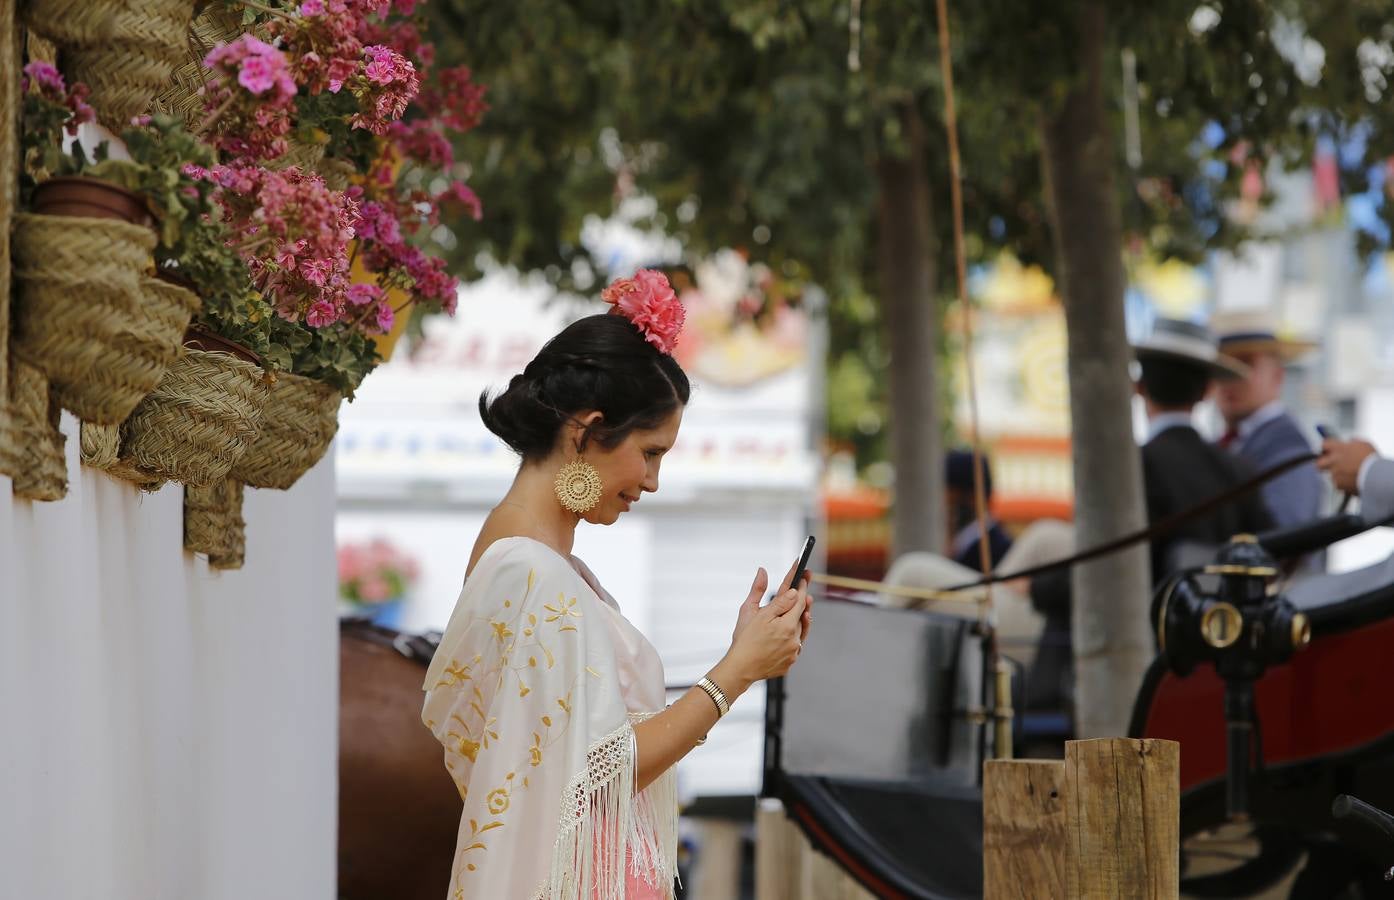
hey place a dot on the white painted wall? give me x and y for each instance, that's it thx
(170, 732)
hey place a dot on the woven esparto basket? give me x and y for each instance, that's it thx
(199, 421)
(183, 96)
(302, 417)
(337, 173)
(127, 71)
(213, 523)
(42, 470)
(85, 316)
(306, 156)
(70, 23)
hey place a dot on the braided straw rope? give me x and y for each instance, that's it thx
(43, 469)
(213, 523)
(83, 314)
(302, 416)
(72, 23)
(9, 175)
(199, 421)
(135, 62)
(100, 447)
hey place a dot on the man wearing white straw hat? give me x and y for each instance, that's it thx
(1179, 362)
(1259, 430)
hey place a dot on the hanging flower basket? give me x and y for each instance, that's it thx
(86, 317)
(71, 23)
(301, 419)
(135, 60)
(213, 523)
(201, 418)
(183, 96)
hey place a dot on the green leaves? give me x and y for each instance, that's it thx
(335, 354)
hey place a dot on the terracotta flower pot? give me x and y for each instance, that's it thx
(199, 338)
(90, 198)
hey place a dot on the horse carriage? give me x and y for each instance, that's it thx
(875, 743)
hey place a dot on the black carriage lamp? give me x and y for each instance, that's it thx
(1229, 614)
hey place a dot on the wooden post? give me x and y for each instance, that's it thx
(1105, 822)
(1023, 828)
(1124, 818)
(717, 874)
(788, 868)
(776, 853)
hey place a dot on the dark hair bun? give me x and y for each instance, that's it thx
(601, 362)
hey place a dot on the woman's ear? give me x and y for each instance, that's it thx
(578, 426)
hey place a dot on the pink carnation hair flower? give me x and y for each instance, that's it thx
(648, 301)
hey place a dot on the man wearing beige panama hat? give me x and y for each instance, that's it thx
(1259, 430)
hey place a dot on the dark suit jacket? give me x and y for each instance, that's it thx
(1179, 469)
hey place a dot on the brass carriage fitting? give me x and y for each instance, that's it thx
(1301, 631)
(1251, 571)
(1221, 625)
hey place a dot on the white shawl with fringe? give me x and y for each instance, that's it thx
(533, 693)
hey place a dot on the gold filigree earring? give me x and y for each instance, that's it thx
(578, 486)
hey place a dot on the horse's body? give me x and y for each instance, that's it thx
(398, 808)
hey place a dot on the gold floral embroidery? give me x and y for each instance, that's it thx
(497, 803)
(472, 731)
(565, 608)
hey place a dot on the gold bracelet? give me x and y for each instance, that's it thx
(723, 706)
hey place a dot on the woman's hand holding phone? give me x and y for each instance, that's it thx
(767, 639)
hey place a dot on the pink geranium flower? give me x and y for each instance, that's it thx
(385, 317)
(648, 301)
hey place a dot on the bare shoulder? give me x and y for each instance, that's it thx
(502, 523)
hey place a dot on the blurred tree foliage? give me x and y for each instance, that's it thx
(751, 126)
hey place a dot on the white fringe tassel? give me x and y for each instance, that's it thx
(603, 823)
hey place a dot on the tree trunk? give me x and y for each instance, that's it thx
(1111, 635)
(905, 260)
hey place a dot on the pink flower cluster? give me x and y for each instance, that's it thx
(400, 264)
(456, 104)
(375, 572)
(402, 34)
(388, 82)
(47, 82)
(326, 42)
(293, 232)
(251, 99)
(648, 301)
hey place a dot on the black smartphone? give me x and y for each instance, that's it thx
(803, 562)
